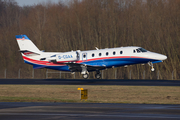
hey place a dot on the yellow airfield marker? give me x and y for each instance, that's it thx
(80, 89)
(83, 93)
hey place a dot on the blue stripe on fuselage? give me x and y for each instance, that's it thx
(116, 62)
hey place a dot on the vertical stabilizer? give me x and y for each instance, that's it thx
(25, 44)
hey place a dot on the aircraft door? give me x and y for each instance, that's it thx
(84, 56)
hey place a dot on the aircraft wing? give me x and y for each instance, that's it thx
(76, 67)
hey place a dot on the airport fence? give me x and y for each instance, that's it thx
(52, 74)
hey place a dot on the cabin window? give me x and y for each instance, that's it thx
(93, 55)
(84, 55)
(121, 52)
(107, 53)
(114, 53)
(134, 51)
(100, 54)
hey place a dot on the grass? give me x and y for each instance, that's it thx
(96, 94)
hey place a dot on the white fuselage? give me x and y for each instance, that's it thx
(86, 61)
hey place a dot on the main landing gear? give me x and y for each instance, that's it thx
(151, 65)
(85, 73)
(85, 76)
(98, 75)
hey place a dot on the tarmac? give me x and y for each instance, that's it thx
(87, 111)
(91, 82)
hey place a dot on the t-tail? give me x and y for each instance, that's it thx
(31, 54)
(26, 46)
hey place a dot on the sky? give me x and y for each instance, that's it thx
(32, 2)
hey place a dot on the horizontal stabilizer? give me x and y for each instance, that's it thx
(29, 53)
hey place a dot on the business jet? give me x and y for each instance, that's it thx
(86, 61)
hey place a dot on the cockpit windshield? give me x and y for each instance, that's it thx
(142, 49)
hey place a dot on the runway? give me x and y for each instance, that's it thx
(91, 82)
(87, 111)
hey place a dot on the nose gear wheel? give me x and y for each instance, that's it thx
(151, 65)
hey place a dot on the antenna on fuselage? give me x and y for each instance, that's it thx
(97, 48)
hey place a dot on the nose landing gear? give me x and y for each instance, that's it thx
(151, 65)
(152, 69)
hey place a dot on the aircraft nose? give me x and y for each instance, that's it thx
(164, 57)
(157, 56)
(161, 57)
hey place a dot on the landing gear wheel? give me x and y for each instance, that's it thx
(151, 64)
(85, 76)
(152, 69)
(98, 75)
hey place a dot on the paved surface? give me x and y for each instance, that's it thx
(87, 111)
(91, 82)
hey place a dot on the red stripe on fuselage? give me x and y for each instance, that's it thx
(41, 62)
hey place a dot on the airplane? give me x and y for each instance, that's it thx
(86, 61)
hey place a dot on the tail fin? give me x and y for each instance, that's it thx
(26, 46)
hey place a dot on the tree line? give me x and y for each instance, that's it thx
(86, 24)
